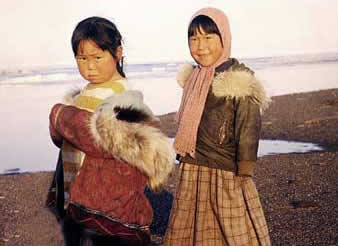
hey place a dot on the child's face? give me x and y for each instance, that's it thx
(205, 48)
(97, 65)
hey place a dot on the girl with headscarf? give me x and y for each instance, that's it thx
(219, 124)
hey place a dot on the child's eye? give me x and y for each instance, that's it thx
(81, 58)
(98, 57)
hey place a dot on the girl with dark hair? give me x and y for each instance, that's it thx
(101, 33)
(219, 123)
(111, 148)
(97, 47)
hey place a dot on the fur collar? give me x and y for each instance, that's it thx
(234, 83)
(71, 95)
(123, 125)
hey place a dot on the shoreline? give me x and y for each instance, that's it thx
(281, 154)
(292, 117)
(324, 149)
(297, 190)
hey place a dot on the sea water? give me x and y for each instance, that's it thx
(26, 97)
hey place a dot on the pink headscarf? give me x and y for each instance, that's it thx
(197, 86)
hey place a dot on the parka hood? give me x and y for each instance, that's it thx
(124, 126)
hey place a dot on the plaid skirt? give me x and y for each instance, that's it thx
(214, 207)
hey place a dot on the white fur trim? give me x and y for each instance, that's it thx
(130, 98)
(239, 84)
(71, 96)
(138, 144)
(232, 84)
(183, 73)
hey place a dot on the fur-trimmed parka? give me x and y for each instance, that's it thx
(229, 130)
(125, 151)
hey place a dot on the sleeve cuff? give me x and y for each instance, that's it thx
(246, 168)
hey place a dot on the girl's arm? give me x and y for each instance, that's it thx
(56, 137)
(72, 124)
(247, 132)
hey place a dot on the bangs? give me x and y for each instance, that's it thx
(80, 46)
(98, 30)
(205, 23)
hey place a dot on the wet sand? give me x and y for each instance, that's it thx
(298, 191)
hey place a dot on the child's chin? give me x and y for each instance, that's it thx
(205, 63)
(95, 81)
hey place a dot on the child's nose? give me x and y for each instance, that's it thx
(201, 44)
(91, 64)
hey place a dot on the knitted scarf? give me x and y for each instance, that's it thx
(197, 86)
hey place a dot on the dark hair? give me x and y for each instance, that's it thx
(103, 33)
(203, 22)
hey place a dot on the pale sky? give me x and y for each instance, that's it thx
(37, 32)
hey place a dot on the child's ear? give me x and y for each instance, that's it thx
(119, 52)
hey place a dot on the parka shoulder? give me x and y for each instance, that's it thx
(124, 126)
(236, 82)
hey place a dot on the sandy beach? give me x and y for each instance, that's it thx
(298, 191)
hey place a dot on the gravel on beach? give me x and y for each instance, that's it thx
(298, 191)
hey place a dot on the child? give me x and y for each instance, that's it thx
(122, 149)
(216, 142)
(125, 151)
(97, 47)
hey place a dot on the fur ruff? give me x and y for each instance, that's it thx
(140, 145)
(233, 84)
(184, 71)
(71, 95)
